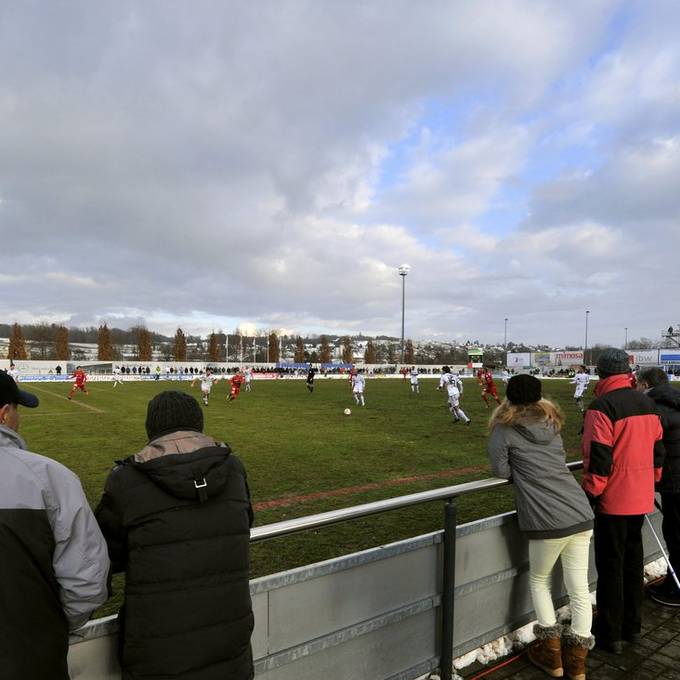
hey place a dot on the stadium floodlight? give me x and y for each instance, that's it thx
(585, 346)
(403, 270)
(625, 342)
(505, 334)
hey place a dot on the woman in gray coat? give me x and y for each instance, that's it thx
(525, 445)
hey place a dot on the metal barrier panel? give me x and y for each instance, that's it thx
(374, 615)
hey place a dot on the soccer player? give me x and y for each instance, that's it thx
(117, 378)
(488, 386)
(581, 380)
(80, 378)
(207, 380)
(310, 378)
(358, 384)
(454, 390)
(505, 376)
(13, 372)
(236, 382)
(415, 387)
(248, 377)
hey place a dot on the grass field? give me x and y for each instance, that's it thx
(302, 454)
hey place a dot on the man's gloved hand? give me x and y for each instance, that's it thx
(593, 500)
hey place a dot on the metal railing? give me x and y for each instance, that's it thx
(449, 494)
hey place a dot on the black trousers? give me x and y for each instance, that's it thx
(670, 527)
(619, 562)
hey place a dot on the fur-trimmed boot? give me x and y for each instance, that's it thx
(546, 652)
(574, 653)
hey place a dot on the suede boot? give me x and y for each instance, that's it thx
(546, 652)
(574, 652)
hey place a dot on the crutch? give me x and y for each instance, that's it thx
(658, 540)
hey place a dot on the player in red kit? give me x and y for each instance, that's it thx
(236, 382)
(80, 378)
(488, 385)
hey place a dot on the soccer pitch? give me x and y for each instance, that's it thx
(301, 453)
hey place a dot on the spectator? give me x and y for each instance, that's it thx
(622, 458)
(176, 516)
(554, 514)
(54, 561)
(654, 382)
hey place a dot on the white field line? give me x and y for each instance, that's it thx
(72, 401)
(26, 414)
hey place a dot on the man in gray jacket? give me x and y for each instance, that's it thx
(53, 559)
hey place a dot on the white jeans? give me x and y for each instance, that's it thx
(573, 551)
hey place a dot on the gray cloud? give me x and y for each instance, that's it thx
(219, 162)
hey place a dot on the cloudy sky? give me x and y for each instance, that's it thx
(211, 164)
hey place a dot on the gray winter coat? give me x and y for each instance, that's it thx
(550, 502)
(53, 562)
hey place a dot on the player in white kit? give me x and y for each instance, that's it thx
(415, 387)
(13, 372)
(207, 380)
(248, 376)
(454, 389)
(117, 378)
(581, 380)
(358, 384)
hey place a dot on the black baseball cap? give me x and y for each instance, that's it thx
(11, 394)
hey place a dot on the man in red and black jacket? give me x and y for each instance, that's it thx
(622, 459)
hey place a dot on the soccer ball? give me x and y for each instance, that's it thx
(347, 412)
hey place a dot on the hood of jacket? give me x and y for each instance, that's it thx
(186, 465)
(540, 432)
(613, 382)
(9, 437)
(666, 395)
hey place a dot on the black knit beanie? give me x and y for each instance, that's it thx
(172, 411)
(523, 389)
(613, 361)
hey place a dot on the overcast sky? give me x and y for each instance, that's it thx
(211, 164)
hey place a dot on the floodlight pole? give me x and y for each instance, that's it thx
(505, 334)
(403, 271)
(585, 348)
(625, 342)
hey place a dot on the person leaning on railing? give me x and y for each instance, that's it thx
(553, 512)
(176, 516)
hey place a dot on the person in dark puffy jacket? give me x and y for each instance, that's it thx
(654, 383)
(623, 455)
(554, 514)
(176, 517)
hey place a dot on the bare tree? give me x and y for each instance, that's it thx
(347, 352)
(325, 352)
(17, 344)
(370, 356)
(143, 343)
(213, 348)
(408, 352)
(299, 350)
(61, 346)
(104, 348)
(180, 345)
(273, 341)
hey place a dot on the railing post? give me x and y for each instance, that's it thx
(448, 590)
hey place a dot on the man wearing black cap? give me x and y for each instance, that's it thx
(176, 517)
(622, 459)
(54, 563)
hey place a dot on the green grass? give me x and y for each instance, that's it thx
(294, 443)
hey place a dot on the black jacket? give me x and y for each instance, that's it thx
(179, 525)
(667, 400)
